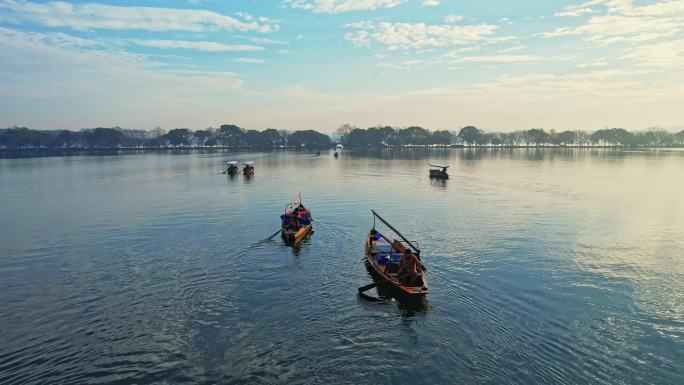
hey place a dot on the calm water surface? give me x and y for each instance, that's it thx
(549, 267)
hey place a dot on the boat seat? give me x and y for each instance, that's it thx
(381, 246)
(382, 259)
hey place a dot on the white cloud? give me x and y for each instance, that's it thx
(513, 49)
(658, 8)
(573, 12)
(578, 9)
(247, 60)
(452, 18)
(339, 6)
(459, 51)
(622, 21)
(593, 63)
(661, 54)
(91, 16)
(265, 40)
(500, 59)
(430, 3)
(85, 69)
(359, 38)
(406, 64)
(413, 36)
(206, 46)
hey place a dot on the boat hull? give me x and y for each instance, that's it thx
(438, 174)
(390, 278)
(295, 237)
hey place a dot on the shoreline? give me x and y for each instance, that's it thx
(50, 152)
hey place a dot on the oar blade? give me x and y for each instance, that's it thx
(367, 287)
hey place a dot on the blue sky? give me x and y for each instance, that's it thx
(301, 64)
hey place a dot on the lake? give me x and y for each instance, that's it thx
(550, 266)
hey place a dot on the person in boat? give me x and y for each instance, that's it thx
(248, 169)
(444, 170)
(294, 223)
(410, 269)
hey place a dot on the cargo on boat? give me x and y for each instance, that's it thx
(296, 223)
(396, 262)
(438, 171)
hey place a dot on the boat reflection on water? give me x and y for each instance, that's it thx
(297, 248)
(438, 183)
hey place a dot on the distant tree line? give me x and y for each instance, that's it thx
(473, 136)
(226, 136)
(232, 136)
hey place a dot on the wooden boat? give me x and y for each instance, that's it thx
(248, 170)
(438, 171)
(296, 223)
(383, 256)
(232, 167)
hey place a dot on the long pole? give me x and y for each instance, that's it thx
(294, 201)
(298, 196)
(398, 233)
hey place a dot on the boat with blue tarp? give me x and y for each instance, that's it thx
(296, 222)
(396, 261)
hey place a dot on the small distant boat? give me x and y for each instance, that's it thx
(384, 256)
(232, 167)
(296, 223)
(248, 170)
(438, 171)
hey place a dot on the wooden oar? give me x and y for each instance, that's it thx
(274, 234)
(368, 287)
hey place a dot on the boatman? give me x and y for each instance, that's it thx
(294, 223)
(410, 269)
